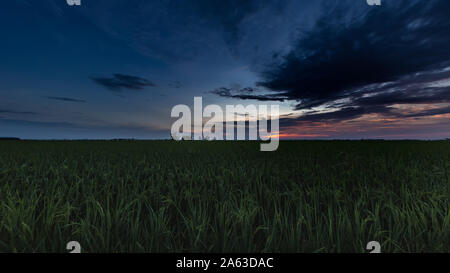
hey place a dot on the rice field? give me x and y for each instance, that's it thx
(198, 196)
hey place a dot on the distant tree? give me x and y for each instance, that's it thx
(9, 138)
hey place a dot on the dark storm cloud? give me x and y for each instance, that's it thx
(352, 64)
(355, 106)
(118, 82)
(429, 88)
(384, 45)
(64, 99)
(430, 112)
(350, 113)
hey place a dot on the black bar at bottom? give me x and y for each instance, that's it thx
(225, 262)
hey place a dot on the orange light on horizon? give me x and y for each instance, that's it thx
(294, 135)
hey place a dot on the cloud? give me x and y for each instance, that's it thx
(119, 82)
(5, 111)
(64, 99)
(358, 61)
(430, 89)
(246, 93)
(340, 54)
(175, 31)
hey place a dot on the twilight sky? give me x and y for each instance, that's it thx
(115, 68)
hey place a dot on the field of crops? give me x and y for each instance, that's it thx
(165, 196)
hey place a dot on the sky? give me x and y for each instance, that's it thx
(339, 69)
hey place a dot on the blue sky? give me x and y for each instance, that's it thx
(115, 69)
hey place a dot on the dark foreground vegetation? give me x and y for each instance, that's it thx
(164, 196)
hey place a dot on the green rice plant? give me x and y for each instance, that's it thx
(194, 196)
